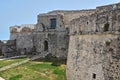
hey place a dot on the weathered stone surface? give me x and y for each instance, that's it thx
(96, 54)
(1, 44)
(94, 45)
(22, 29)
(42, 37)
(94, 41)
(9, 48)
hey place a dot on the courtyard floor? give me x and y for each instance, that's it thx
(33, 70)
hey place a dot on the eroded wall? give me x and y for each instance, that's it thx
(57, 43)
(24, 37)
(94, 54)
(94, 45)
(57, 39)
(99, 22)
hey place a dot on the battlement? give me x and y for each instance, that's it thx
(22, 28)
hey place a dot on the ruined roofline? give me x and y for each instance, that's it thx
(108, 5)
(23, 25)
(56, 12)
(99, 7)
(22, 28)
(97, 22)
(32, 26)
(71, 10)
(4, 41)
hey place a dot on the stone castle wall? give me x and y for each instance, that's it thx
(54, 37)
(57, 38)
(8, 48)
(93, 37)
(96, 22)
(94, 45)
(94, 54)
(68, 15)
(24, 37)
(1, 44)
(57, 43)
(22, 28)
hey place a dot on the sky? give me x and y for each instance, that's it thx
(17, 12)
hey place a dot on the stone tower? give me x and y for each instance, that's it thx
(94, 45)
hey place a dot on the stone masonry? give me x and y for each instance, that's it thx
(89, 39)
(94, 45)
(50, 34)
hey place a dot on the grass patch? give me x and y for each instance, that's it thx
(55, 61)
(35, 70)
(17, 77)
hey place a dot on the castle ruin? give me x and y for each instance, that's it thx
(94, 45)
(89, 39)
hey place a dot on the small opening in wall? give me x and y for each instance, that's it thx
(87, 23)
(106, 26)
(60, 25)
(94, 76)
(45, 46)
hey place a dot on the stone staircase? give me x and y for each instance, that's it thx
(41, 55)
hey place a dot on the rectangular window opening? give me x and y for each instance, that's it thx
(53, 23)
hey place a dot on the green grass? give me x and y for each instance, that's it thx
(8, 62)
(15, 77)
(35, 71)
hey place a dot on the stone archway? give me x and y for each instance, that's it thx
(45, 45)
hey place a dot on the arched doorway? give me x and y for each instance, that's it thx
(45, 46)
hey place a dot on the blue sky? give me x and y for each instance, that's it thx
(17, 12)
